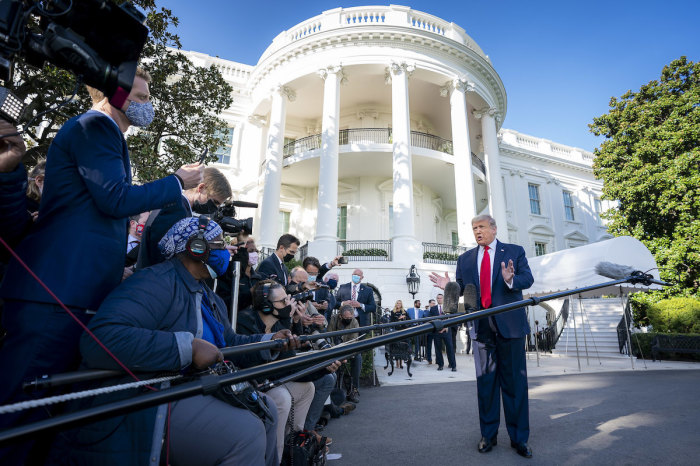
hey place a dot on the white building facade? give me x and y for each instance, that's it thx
(375, 132)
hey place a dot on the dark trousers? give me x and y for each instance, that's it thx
(41, 339)
(439, 339)
(355, 369)
(501, 372)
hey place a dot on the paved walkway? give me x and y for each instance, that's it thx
(595, 418)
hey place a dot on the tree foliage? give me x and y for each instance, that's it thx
(186, 98)
(650, 164)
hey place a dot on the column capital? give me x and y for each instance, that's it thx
(257, 120)
(286, 92)
(490, 111)
(333, 69)
(459, 84)
(396, 68)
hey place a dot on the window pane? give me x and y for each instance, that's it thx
(455, 239)
(534, 193)
(223, 152)
(568, 206)
(391, 220)
(342, 222)
(540, 249)
(284, 222)
(598, 210)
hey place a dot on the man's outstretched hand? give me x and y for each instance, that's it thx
(439, 280)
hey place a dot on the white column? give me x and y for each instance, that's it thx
(324, 244)
(497, 202)
(405, 246)
(461, 147)
(269, 211)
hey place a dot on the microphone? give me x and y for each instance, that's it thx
(614, 271)
(450, 298)
(469, 295)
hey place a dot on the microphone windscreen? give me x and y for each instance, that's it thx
(470, 304)
(614, 271)
(451, 298)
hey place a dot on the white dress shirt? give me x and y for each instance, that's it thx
(492, 255)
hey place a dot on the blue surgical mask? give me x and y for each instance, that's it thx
(356, 279)
(218, 262)
(312, 278)
(140, 114)
(332, 284)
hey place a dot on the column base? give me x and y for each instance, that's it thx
(323, 249)
(406, 251)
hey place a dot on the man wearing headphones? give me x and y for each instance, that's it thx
(165, 318)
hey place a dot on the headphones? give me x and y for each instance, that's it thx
(266, 303)
(197, 246)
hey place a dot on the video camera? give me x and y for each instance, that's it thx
(225, 215)
(95, 39)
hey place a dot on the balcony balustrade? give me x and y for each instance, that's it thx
(372, 250)
(436, 253)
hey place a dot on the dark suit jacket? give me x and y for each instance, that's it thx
(434, 311)
(365, 296)
(77, 245)
(512, 324)
(271, 266)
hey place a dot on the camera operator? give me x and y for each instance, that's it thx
(317, 273)
(201, 199)
(300, 282)
(271, 311)
(165, 318)
(249, 277)
(82, 226)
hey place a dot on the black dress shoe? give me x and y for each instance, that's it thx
(439, 368)
(486, 445)
(454, 369)
(522, 448)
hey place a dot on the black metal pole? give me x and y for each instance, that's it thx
(210, 383)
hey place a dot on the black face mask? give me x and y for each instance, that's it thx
(208, 207)
(242, 257)
(346, 321)
(284, 313)
(288, 257)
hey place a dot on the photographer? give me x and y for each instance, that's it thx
(271, 311)
(82, 226)
(344, 319)
(300, 282)
(317, 273)
(201, 199)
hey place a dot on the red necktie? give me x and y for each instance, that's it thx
(485, 279)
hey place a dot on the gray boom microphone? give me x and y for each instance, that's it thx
(451, 298)
(614, 271)
(469, 295)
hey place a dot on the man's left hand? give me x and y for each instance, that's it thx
(507, 272)
(293, 342)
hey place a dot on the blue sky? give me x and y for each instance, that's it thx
(560, 61)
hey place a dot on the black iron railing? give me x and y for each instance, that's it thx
(264, 253)
(372, 250)
(430, 141)
(548, 337)
(623, 328)
(365, 136)
(436, 253)
(478, 163)
(302, 252)
(302, 145)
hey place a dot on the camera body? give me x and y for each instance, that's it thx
(318, 295)
(96, 39)
(225, 217)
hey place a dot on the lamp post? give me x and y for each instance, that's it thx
(413, 281)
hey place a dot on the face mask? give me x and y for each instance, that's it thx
(139, 229)
(332, 284)
(356, 279)
(288, 257)
(253, 259)
(284, 313)
(346, 321)
(139, 114)
(208, 207)
(312, 278)
(218, 260)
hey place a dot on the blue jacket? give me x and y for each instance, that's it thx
(148, 322)
(414, 313)
(15, 221)
(77, 246)
(512, 324)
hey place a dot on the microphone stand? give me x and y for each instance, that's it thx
(208, 384)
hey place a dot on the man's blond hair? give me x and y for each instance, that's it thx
(216, 184)
(97, 95)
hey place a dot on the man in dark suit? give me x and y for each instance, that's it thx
(359, 296)
(500, 272)
(77, 246)
(443, 336)
(273, 266)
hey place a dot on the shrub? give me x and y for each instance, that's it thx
(675, 315)
(442, 256)
(644, 340)
(366, 252)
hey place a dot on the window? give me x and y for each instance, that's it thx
(391, 220)
(568, 206)
(284, 222)
(598, 205)
(534, 192)
(342, 222)
(223, 152)
(540, 249)
(455, 239)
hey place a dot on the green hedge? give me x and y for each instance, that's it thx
(442, 256)
(645, 340)
(366, 252)
(675, 315)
